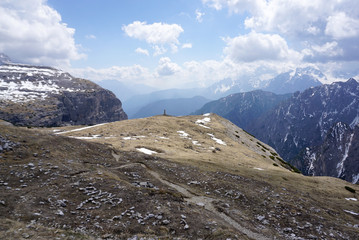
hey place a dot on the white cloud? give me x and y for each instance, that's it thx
(257, 46)
(341, 26)
(166, 67)
(91, 36)
(199, 15)
(187, 45)
(142, 51)
(235, 6)
(159, 50)
(329, 49)
(135, 73)
(33, 32)
(307, 23)
(159, 35)
(156, 33)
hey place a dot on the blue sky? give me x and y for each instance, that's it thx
(99, 29)
(183, 43)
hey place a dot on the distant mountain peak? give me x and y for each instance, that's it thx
(4, 59)
(352, 80)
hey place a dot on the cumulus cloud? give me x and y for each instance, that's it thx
(341, 26)
(312, 24)
(142, 51)
(257, 46)
(166, 67)
(33, 32)
(160, 35)
(156, 33)
(329, 49)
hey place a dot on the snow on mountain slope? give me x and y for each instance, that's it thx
(45, 96)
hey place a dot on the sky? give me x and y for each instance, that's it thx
(183, 43)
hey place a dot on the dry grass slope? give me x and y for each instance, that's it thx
(196, 177)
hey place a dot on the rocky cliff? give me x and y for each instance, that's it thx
(45, 96)
(308, 120)
(337, 156)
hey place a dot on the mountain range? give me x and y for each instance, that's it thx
(303, 127)
(45, 96)
(289, 82)
(244, 108)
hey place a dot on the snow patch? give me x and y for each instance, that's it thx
(260, 169)
(203, 122)
(133, 137)
(206, 115)
(340, 165)
(196, 143)
(163, 137)
(351, 212)
(87, 138)
(183, 134)
(351, 199)
(217, 140)
(354, 122)
(146, 151)
(80, 129)
(355, 178)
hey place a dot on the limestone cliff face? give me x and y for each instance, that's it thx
(44, 96)
(91, 108)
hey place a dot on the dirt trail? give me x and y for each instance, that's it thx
(207, 203)
(204, 201)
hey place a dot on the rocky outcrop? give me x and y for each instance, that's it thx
(44, 96)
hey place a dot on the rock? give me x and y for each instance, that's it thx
(60, 213)
(62, 98)
(166, 222)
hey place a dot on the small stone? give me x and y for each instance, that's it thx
(186, 227)
(60, 213)
(201, 204)
(166, 222)
(25, 235)
(183, 217)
